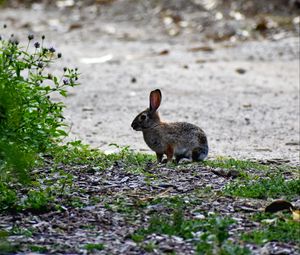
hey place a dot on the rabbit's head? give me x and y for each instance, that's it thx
(148, 118)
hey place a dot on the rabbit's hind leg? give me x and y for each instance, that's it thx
(199, 153)
(182, 153)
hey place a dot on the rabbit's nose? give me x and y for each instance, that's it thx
(133, 125)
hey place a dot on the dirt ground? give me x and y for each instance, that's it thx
(245, 95)
(108, 206)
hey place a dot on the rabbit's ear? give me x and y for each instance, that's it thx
(155, 99)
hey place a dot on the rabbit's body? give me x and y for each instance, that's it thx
(179, 139)
(183, 138)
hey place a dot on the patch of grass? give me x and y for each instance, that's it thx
(76, 202)
(138, 236)
(38, 248)
(5, 246)
(201, 193)
(35, 200)
(230, 163)
(8, 198)
(120, 204)
(210, 235)
(61, 182)
(274, 186)
(88, 227)
(175, 224)
(205, 247)
(27, 232)
(278, 230)
(173, 202)
(91, 247)
(78, 153)
(149, 246)
(38, 201)
(261, 216)
(134, 162)
(95, 200)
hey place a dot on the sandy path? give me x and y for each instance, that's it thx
(250, 115)
(244, 115)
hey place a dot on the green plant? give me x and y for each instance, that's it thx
(90, 247)
(30, 122)
(149, 246)
(38, 249)
(76, 202)
(230, 163)
(76, 152)
(207, 247)
(28, 232)
(277, 229)
(37, 201)
(33, 200)
(8, 197)
(5, 246)
(174, 202)
(176, 224)
(134, 162)
(274, 186)
(210, 235)
(214, 238)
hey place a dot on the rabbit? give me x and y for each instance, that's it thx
(179, 139)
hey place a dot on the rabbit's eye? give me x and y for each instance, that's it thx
(143, 117)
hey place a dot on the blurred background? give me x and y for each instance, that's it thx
(216, 20)
(231, 67)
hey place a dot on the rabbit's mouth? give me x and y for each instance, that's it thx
(136, 127)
